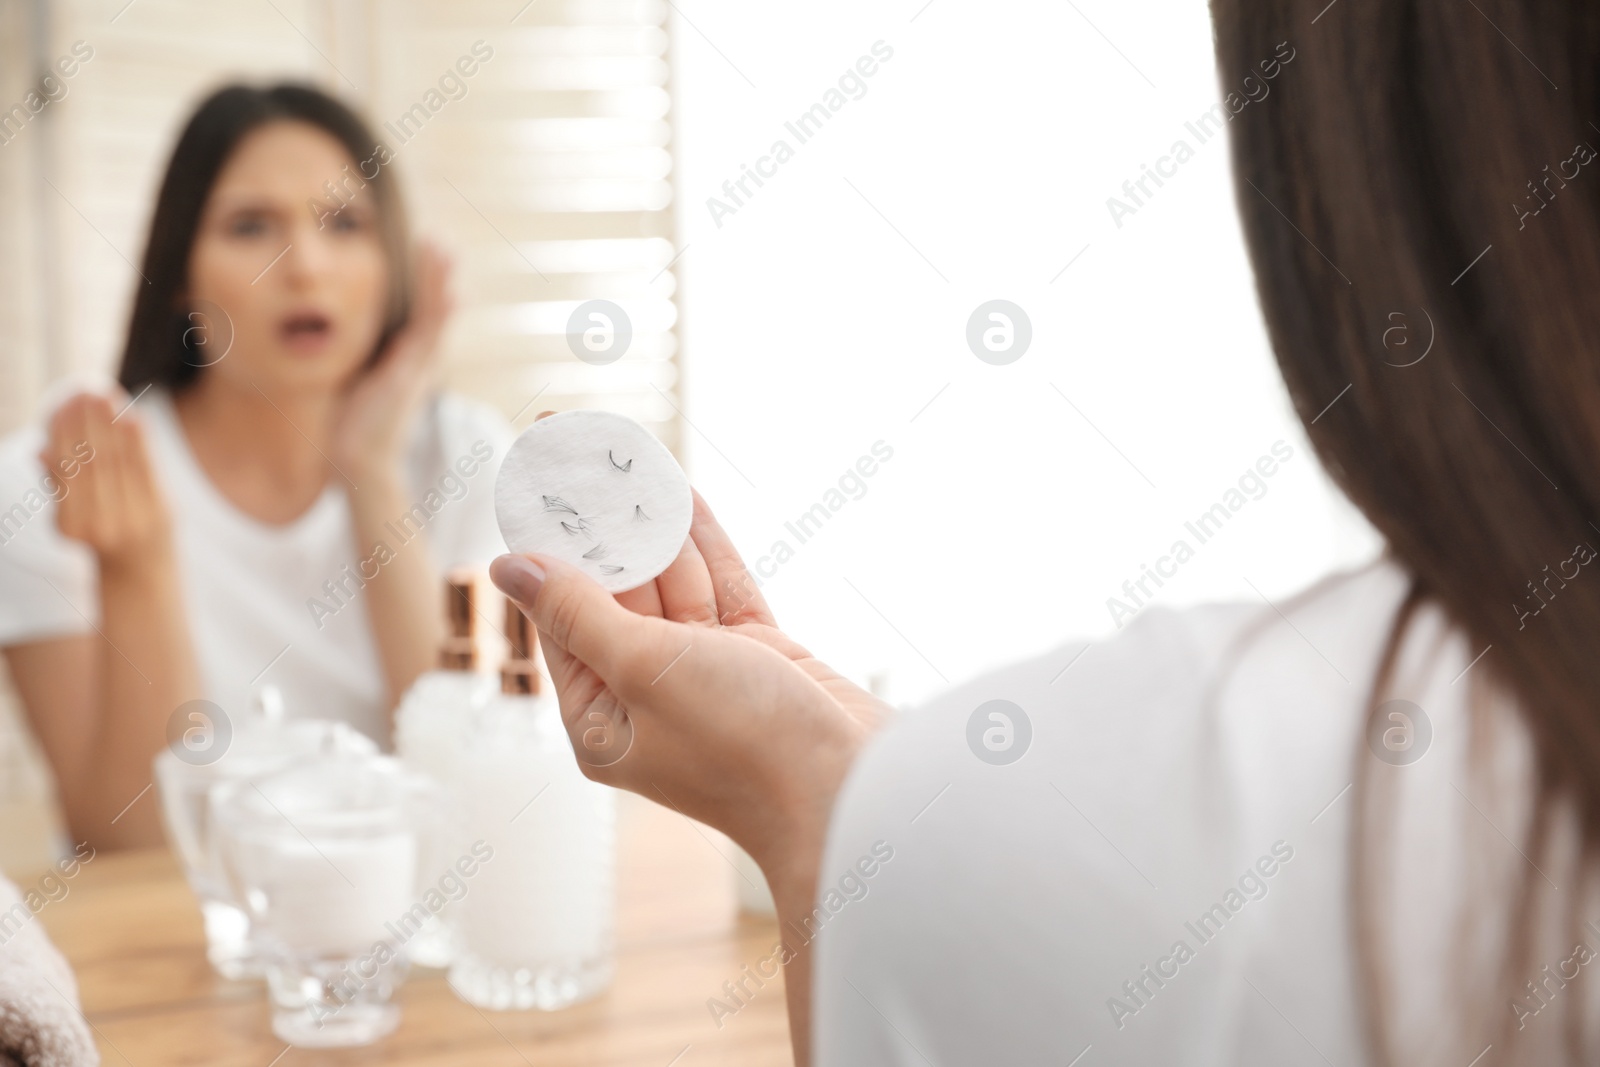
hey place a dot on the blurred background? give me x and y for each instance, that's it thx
(782, 329)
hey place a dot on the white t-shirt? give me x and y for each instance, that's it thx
(257, 605)
(1187, 783)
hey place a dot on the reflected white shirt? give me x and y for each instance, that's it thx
(250, 589)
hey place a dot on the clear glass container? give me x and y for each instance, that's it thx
(328, 858)
(260, 744)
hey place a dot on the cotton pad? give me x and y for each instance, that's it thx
(597, 490)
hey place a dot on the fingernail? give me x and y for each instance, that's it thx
(518, 577)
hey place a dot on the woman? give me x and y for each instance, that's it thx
(1356, 827)
(271, 497)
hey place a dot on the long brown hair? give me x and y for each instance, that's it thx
(1435, 160)
(160, 331)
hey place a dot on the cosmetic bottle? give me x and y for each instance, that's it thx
(536, 925)
(435, 714)
(427, 722)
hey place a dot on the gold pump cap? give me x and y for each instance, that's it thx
(518, 675)
(459, 650)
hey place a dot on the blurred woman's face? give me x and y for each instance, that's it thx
(303, 282)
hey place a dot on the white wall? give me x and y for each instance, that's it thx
(812, 329)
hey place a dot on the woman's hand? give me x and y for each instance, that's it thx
(685, 691)
(371, 430)
(109, 498)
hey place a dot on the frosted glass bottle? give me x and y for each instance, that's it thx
(536, 928)
(431, 721)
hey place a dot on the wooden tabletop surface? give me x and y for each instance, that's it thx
(132, 931)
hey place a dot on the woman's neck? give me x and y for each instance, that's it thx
(265, 454)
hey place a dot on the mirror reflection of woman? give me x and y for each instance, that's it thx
(273, 495)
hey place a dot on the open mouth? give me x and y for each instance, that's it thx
(306, 329)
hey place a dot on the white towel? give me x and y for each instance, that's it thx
(41, 1024)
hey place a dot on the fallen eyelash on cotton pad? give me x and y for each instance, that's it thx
(597, 490)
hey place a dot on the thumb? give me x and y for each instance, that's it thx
(572, 611)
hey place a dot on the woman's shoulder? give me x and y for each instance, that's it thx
(456, 449)
(19, 452)
(1175, 692)
(1167, 652)
(1180, 716)
(45, 579)
(1080, 806)
(458, 415)
(27, 490)
(453, 428)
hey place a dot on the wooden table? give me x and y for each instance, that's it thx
(132, 931)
